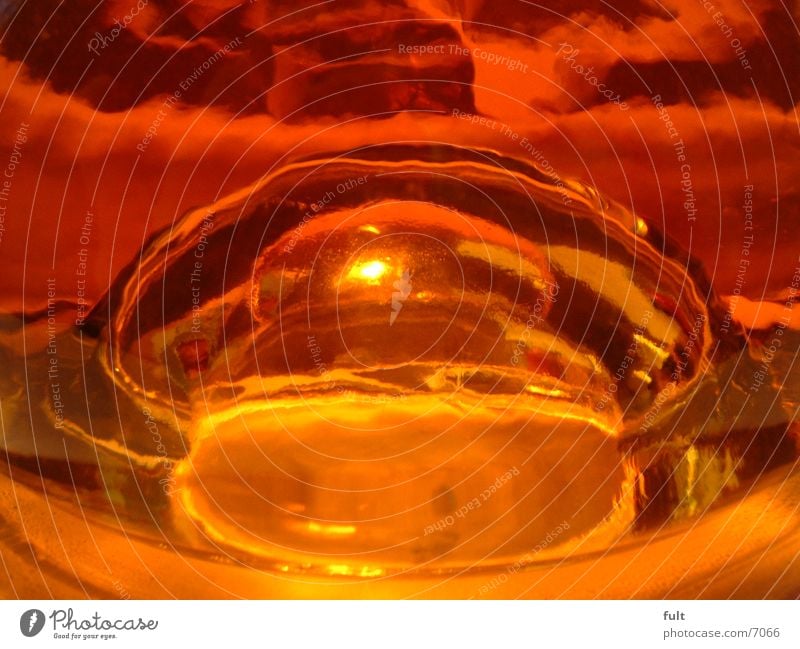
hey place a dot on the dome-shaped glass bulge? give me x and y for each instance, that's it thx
(412, 357)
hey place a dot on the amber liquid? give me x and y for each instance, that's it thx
(397, 386)
(415, 361)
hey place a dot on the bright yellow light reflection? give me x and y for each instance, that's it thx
(371, 271)
(331, 530)
(365, 571)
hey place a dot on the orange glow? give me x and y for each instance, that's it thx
(329, 317)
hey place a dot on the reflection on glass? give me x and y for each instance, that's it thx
(425, 358)
(406, 357)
